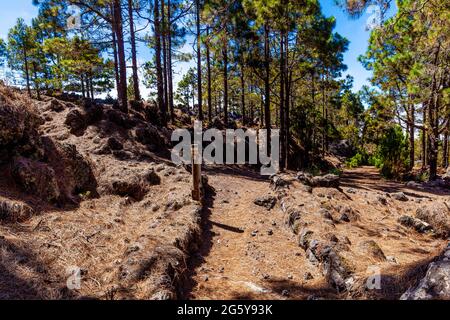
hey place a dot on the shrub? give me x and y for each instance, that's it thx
(392, 153)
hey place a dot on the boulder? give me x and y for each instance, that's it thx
(119, 118)
(14, 211)
(12, 122)
(326, 181)
(152, 177)
(305, 178)
(76, 120)
(56, 105)
(436, 283)
(36, 178)
(131, 186)
(342, 148)
(150, 135)
(399, 196)
(18, 130)
(347, 214)
(382, 200)
(334, 267)
(266, 201)
(437, 215)
(74, 171)
(114, 144)
(417, 224)
(305, 238)
(278, 181)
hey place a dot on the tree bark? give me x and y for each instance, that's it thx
(169, 60)
(27, 71)
(267, 82)
(412, 137)
(83, 92)
(164, 53)
(137, 94)
(116, 66)
(243, 94)
(208, 66)
(225, 83)
(199, 62)
(118, 23)
(36, 84)
(282, 103)
(159, 75)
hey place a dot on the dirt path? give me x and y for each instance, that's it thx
(249, 253)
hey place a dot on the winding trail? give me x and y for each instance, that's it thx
(248, 252)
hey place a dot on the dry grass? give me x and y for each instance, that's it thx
(110, 238)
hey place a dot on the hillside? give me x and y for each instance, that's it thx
(90, 191)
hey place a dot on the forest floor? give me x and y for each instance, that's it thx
(142, 236)
(248, 252)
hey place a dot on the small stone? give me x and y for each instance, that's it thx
(399, 196)
(266, 201)
(391, 259)
(270, 232)
(344, 218)
(285, 293)
(325, 214)
(382, 200)
(308, 276)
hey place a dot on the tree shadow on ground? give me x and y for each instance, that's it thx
(24, 276)
(242, 171)
(284, 289)
(370, 179)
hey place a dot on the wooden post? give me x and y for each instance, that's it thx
(196, 173)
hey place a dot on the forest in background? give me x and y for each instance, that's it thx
(272, 63)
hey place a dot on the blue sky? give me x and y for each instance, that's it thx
(353, 29)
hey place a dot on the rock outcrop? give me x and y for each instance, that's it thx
(436, 283)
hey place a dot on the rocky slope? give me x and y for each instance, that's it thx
(89, 197)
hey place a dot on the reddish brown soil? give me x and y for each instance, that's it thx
(234, 264)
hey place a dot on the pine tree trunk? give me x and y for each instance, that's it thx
(424, 138)
(282, 103)
(118, 22)
(445, 149)
(27, 71)
(116, 65)
(267, 82)
(159, 75)
(91, 85)
(243, 94)
(199, 62)
(208, 66)
(36, 84)
(169, 60)
(225, 84)
(137, 94)
(412, 137)
(83, 92)
(164, 53)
